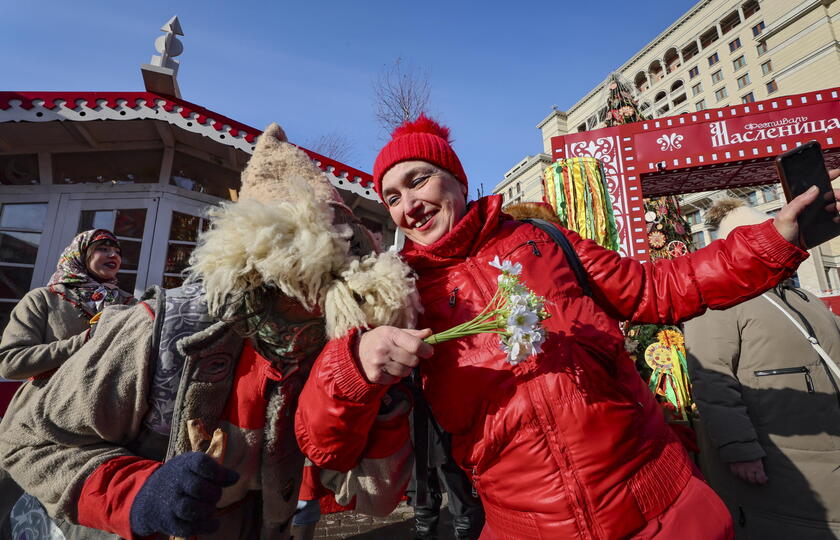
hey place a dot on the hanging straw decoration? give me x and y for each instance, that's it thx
(669, 379)
(576, 189)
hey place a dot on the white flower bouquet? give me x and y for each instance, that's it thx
(514, 312)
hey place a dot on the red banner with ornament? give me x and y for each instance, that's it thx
(720, 139)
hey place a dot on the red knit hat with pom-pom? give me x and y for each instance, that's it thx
(423, 140)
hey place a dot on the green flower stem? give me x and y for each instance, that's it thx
(485, 322)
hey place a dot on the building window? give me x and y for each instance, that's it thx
(757, 29)
(735, 44)
(693, 72)
(761, 48)
(750, 8)
(714, 59)
(696, 89)
(21, 226)
(748, 98)
(766, 67)
(518, 188)
(721, 93)
(729, 22)
(771, 193)
(700, 105)
(739, 62)
(194, 174)
(772, 86)
(698, 239)
(693, 218)
(183, 237)
(111, 167)
(717, 76)
(19, 170)
(690, 51)
(709, 37)
(743, 80)
(752, 198)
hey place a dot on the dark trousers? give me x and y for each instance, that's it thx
(467, 512)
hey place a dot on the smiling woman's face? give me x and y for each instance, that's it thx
(424, 201)
(104, 262)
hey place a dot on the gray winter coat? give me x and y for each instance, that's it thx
(763, 392)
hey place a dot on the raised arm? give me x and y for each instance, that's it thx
(749, 261)
(23, 351)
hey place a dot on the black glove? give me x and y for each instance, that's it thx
(179, 498)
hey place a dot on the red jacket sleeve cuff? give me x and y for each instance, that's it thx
(311, 487)
(776, 247)
(350, 384)
(108, 493)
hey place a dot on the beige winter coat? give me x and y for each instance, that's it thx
(43, 331)
(790, 419)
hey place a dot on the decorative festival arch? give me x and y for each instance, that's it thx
(707, 150)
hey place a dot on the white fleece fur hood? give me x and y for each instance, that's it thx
(282, 234)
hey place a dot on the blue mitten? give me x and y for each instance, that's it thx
(180, 497)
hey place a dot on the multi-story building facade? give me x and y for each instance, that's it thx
(719, 53)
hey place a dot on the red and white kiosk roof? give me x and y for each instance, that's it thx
(126, 106)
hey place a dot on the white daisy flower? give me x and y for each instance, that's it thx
(506, 266)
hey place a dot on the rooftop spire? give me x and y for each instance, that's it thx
(160, 75)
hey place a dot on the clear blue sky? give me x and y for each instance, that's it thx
(495, 67)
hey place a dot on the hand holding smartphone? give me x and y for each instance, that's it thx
(799, 169)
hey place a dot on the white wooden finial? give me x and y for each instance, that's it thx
(159, 76)
(168, 45)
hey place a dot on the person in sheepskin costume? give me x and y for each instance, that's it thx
(117, 443)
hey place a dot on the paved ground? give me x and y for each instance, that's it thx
(397, 526)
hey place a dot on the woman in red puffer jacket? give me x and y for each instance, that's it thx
(569, 443)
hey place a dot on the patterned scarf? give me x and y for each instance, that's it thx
(80, 288)
(287, 334)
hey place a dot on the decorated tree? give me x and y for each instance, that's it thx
(622, 105)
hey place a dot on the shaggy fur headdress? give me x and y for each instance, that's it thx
(729, 212)
(291, 231)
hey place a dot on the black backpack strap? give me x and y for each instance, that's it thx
(560, 239)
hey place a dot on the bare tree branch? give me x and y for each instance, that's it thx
(333, 145)
(402, 93)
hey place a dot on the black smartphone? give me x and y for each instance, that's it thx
(799, 169)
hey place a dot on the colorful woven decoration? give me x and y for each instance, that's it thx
(669, 379)
(576, 189)
(669, 235)
(656, 239)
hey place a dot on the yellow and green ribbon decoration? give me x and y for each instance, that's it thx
(576, 189)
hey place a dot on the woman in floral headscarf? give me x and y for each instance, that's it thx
(50, 323)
